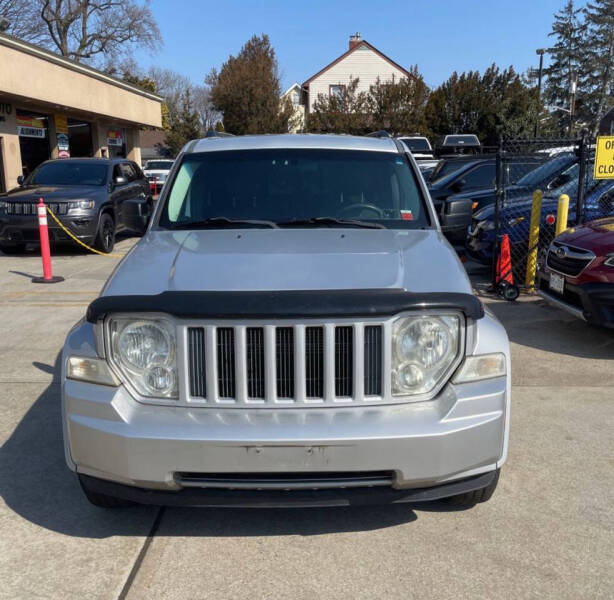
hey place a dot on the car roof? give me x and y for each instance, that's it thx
(86, 159)
(293, 141)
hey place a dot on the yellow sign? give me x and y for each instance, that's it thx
(61, 123)
(604, 157)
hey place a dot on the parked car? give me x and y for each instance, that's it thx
(93, 197)
(578, 272)
(537, 175)
(419, 146)
(455, 214)
(516, 217)
(156, 172)
(461, 142)
(292, 329)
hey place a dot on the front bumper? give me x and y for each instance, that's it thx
(111, 436)
(593, 302)
(16, 229)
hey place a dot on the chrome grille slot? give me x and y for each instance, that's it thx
(196, 358)
(373, 360)
(314, 362)
(226, 362)
(255, 362)
(284, 356)
(343, 361)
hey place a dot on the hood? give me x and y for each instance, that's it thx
(56, 193)
(597, 236)
(520, 206)
(289, 259)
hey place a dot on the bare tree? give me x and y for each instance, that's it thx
(88, 29)
(24, 20)
(207, 114)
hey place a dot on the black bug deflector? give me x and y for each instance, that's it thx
(286, 304)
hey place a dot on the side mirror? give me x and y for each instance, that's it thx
(119, 180)
(20, 180)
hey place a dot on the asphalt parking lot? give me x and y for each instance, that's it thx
(548, 532)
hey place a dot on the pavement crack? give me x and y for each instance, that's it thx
(141, 556)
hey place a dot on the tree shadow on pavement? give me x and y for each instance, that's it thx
(36, 484)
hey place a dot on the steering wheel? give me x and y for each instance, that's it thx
(358, 205)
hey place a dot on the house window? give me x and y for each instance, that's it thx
(294, 98)
(338, 91)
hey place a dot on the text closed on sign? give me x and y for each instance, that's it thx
(604, 157)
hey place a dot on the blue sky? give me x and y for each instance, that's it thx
(440, 36)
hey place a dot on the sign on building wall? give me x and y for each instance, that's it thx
(30, 127)
(114, 137)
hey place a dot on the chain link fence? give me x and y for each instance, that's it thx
(565, 168)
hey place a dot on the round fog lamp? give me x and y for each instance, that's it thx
(159, 379)
(410, 376)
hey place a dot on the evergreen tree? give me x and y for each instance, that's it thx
(489, 105)
(567, 63)
(599, 61)
(247, 89)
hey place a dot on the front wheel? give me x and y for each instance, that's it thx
(105, 237)
(469, 499)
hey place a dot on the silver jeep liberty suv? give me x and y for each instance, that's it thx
(293, 329)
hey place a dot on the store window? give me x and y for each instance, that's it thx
(80, 138)
(33, 132)
(116, 142)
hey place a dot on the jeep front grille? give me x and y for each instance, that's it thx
(31, 208)
(295, 364)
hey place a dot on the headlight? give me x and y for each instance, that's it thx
(145, 352)
(423, 351)
(81, 205)
(516, 221)
(609, 261)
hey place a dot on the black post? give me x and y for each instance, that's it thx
(498, 203)
(582, 177)
(541, 52)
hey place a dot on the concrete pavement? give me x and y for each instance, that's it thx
(547, 532)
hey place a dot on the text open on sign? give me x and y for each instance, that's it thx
(604, 157)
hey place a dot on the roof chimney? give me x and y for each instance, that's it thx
(355, 40)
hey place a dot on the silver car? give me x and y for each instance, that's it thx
(293, 329)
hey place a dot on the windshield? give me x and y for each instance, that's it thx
(455, 169)
(69, 173)
(284, 185)
(162, 165)
(415, 144)
(545, 171)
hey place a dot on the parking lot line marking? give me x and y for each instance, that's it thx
(141, 556)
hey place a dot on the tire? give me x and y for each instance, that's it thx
(469, 499)
(12, 249)
(102, 500)
(105, 236)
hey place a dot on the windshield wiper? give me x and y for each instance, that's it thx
(330, 221)
(223, 222)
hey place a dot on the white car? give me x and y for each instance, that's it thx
(156, 172)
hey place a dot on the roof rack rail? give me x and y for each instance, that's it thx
(382, 133)
(213, 133)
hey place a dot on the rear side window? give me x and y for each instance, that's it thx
(284, 185)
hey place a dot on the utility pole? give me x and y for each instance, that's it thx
(572, 101)
(540, 52)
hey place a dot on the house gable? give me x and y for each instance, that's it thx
(362, 60)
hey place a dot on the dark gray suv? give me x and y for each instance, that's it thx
(93, 197)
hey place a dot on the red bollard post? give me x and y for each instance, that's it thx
(45, 250)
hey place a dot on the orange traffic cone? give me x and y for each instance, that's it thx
(504, 261)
